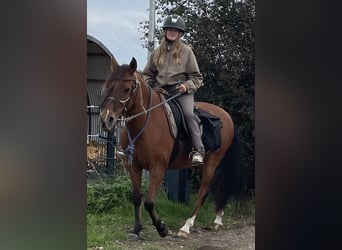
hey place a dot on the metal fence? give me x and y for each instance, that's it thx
(100, 145)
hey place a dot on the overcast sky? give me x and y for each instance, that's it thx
(115, 23)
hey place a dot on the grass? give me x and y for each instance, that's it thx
(111, 216)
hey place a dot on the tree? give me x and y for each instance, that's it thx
(221, 33)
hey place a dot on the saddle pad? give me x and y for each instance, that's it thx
(170, 117)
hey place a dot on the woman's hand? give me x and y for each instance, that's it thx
(181, 87)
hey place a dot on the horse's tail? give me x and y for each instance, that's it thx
(230, 180)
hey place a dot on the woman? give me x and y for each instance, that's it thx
(173, 66)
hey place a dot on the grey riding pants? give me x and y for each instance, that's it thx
(187, 101)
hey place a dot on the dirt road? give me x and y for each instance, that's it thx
(239, 237)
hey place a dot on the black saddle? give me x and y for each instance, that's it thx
(211, 129)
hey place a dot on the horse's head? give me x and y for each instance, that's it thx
(117, 93)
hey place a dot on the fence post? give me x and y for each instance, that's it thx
(178, 186)
(110, 153)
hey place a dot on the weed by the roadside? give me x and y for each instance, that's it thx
(109, 193)
(111, 212)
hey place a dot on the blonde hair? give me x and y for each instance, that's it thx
(161, 51)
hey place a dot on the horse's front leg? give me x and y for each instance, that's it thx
(155, 181)
(136, 195)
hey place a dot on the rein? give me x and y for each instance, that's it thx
(153, 107)
(130, 148)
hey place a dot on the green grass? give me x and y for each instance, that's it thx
(111, 216)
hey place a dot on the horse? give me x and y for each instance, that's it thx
(149, 144)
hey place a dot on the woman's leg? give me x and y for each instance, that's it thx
(187, 102)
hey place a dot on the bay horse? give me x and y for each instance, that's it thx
(127, 97)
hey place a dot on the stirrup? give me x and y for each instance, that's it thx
(196, 158)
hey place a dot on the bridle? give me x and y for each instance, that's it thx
(130, 148)
(122, 101)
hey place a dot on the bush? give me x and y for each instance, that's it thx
(108, 193)
(103, 196)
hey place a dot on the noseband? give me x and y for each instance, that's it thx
(121, 101)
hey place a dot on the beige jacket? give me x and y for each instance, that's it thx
(187, 71)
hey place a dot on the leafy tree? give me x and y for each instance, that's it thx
(221, 33)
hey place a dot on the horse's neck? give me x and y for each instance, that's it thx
(140, 107)
(142, 102)
(150, 127)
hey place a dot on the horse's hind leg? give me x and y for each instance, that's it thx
(155, 181)
(136, 195)
(218, 219)
(207, 175)
(184, 231)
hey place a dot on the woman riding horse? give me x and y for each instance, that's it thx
(148, 143)
(173, 66)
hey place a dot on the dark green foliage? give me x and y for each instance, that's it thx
(221, 33)
(103, 196)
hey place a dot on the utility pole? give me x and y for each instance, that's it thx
(151, 26)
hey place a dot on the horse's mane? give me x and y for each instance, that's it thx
(117, 74)
(156, 89)
(140, 77)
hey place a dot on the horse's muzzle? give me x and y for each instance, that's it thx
(108, 121)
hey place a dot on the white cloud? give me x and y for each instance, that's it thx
(116, 26)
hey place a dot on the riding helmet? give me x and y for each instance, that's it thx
(174, 21)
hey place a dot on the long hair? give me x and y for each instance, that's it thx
(164, 47)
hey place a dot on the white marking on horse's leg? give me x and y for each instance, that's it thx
(188, 224)
(218, 219)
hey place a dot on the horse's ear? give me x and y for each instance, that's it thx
(133, 65)
(113, 63)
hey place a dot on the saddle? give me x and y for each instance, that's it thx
(210, 126)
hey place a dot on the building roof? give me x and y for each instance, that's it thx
(96, 47)
(98, 68)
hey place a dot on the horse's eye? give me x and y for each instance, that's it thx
(127, 90)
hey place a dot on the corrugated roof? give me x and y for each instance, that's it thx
(95, 46)
(98, 69)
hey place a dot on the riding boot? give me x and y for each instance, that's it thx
(197, 154)
(196, 157)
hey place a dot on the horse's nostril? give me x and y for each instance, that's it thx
(110, 123)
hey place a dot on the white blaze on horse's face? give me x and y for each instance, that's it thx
(108, 118)
(111, 110)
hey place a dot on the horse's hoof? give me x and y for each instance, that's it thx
(182, 234)
(217, 227)
(136, 230)
(163, 230)
(133, 237)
